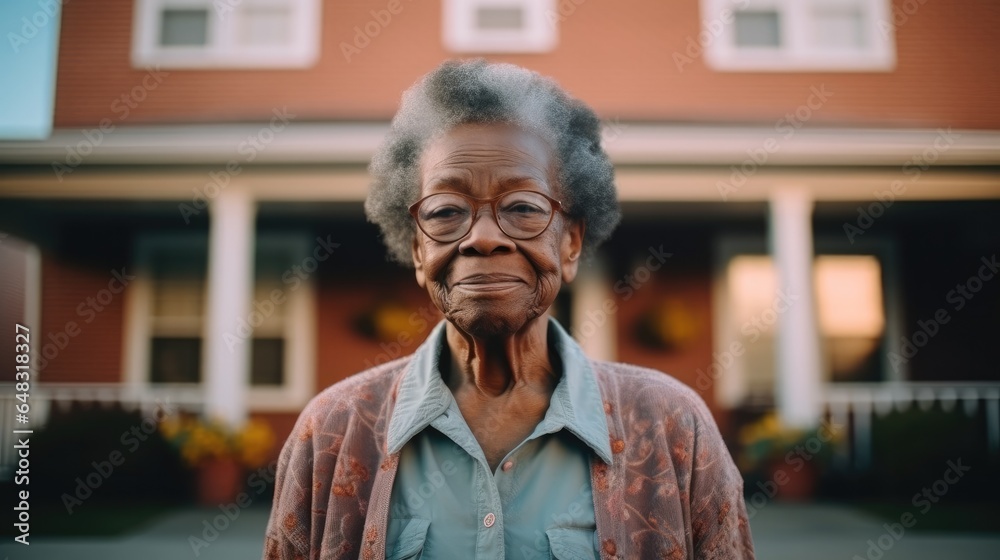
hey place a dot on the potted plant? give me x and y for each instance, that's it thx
(788, 460)
(219, 454)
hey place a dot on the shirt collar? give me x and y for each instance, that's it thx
(575, 403)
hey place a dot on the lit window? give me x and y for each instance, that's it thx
(500, 26)
(226, 33)
(798, 35)
(850, 310)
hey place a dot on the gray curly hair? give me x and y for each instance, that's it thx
(475, 91)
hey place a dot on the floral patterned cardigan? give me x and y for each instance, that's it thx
(671, 491)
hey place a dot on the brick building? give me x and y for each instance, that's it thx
(823, 177)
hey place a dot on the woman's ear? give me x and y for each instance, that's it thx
(570, 249)
(418, 262)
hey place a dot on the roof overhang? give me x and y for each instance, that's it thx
(626, 143)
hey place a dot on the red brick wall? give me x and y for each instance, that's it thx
(689, 294)
(94, 353)
(342, 350)
(615, 55)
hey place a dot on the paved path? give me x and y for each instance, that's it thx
(823, 532)
(167, 538)
(781, 532)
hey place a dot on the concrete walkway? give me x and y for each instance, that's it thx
(826, 532)
(781, 532)
(168, 538)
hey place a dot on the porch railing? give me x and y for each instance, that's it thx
(45, 396)
(855, 404)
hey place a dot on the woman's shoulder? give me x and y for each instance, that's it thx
(638, 386)
(365, 393)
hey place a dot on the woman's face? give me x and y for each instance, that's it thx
(486, 283)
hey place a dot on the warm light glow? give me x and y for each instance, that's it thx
(849, 295)
(752, 285)
(848, 292)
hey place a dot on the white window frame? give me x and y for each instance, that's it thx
(540, 34)
(731, 387)
(223, 50)
(299, 367)
(718, 38)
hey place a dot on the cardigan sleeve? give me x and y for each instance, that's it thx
(288, 529)
(720, 528)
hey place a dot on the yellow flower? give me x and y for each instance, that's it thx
(199, 440)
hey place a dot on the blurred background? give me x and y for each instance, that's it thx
(811, 197)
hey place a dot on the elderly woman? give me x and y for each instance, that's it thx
(498, 438)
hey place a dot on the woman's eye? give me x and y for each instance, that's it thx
(522, 208)
(444, 213)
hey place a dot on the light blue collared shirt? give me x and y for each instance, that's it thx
(447, 503)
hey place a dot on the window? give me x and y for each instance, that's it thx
(500, 26)
(167, 317)
(177, 285)
(798, 35)
(856, 319)
(226, 33)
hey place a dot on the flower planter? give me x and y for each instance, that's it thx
(219, 481)
(792, 485)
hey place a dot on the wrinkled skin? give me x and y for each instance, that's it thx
(492, 289)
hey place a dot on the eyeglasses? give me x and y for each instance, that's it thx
(447, 217)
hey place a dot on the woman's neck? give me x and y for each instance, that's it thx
(501, 366)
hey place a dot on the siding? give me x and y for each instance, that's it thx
(617, 56)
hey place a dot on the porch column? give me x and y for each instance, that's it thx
(594, 311)
(798, 375)
(228, 338)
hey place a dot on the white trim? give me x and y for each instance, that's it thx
(640, 143)
(594, 327)
(300, 335)
(540, 31)
(223, 50)
(798, 54)
(139, 304)
(731, 389)
(730, 384)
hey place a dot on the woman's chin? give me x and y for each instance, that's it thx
(490, 320)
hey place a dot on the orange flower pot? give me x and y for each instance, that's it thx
(220, 481)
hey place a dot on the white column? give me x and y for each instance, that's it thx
(226, 365)
(595, 311)
(798, 375)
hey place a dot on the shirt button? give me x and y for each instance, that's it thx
(508, 465)
(489, 520)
